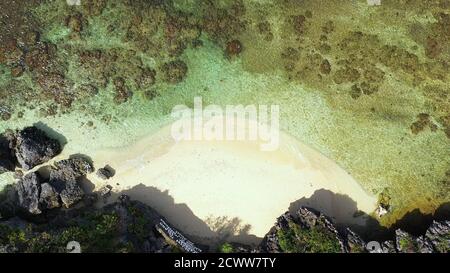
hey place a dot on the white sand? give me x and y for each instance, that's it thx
(231, 185)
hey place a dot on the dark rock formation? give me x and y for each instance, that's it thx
(105, 173)
(124, 226)
(34, 147)
(65, 179)
(439, 236)
(36, 195)
(175, 71)
(388, 247)
(354, 243)
(308, 231)
(28, 189)
(406, 243)
(305, 231)
(48, 198)
(77, 165)
(71, 194)
(7, 161)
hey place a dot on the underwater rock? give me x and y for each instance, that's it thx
(74, 22)
(17, 71)
(122, 91)
(233, 48)
(147, 78)
(33, 147)
(175, 71)
(28, 189)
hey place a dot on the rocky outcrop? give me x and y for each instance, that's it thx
(48, 198)
(305, 231)
(36, 194)
(33, 147)
(439, 236)
(27, 148)
(28, 189)
(105, 173)
(123, 226)
(310, 231)
(65, 179)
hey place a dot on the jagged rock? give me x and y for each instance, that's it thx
(48, 198)
(34, 147)
(127, 211)
(78, 165)
(354, 243)
(406, 243)
(105, 191)
(7, 249)
(28, 189)
(438, 234)
(305, 231)
(105, 173)
(6, 154)
(71, 194)
(65, 179)
(388, 247)
(270, 242)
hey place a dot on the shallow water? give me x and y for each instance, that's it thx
(370, 137)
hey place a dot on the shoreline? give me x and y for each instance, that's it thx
(242, 194)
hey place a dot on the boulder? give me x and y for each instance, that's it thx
(33, 147)
(64, 178)
(105, 173)
(77, 165)
(28, 189)
(71, 194)
(48, 198)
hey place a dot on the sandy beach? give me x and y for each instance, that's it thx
(212, 189)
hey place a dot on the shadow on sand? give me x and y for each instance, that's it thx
(344, 212)
(51, 133)
(340, 208)
(212, 232)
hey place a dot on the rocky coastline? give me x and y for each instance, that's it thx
(49, 206)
